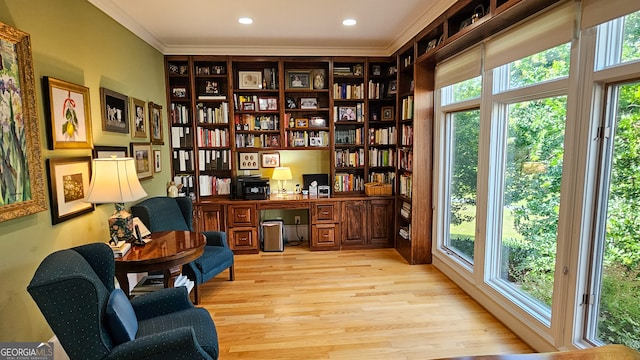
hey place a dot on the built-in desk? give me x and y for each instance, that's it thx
(356, 222)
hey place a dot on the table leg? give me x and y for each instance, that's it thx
(123, 280)
(170, 276)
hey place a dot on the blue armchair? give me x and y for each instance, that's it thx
(164, 213)
(75, 292)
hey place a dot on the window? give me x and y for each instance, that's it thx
(618, 41)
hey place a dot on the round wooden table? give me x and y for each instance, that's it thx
(167, 252)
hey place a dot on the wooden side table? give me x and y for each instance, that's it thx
(167, 252)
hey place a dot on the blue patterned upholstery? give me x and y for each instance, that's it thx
(72, 287)
(164, 213)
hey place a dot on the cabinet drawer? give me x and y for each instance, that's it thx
(243, 240)
(325, 237)
(325, 213)
(242, 215)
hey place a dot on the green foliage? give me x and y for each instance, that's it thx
(620, 309)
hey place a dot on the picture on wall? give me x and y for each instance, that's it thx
(248, 161)
(139, 127)
(115, 111)
(22, 189)
(69, 180)
(155, 118)
(68, 114)
(141, 154)
(105, 152)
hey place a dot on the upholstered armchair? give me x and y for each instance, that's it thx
(75, 292)
(164, 213)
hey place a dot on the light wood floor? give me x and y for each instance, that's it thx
(366, 304)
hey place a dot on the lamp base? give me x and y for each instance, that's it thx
(121, 224)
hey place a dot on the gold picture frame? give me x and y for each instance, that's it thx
(143, 157)
(155, 120)
(26, 193)
(139, 123)
(68, 114)
(115, 111)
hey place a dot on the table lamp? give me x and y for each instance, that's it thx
(282, 174)
(114, 180)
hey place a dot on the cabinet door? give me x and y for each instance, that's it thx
(381, 222)
(242, 215)
(209, 218)
(354, 222)
(325, 237)
(243, 240)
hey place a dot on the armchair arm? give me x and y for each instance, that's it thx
(161, 302)
(177, 343)
(216, 238)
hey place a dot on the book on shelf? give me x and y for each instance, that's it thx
(212, 97)
(120, 249)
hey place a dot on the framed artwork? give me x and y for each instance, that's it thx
(302, 123)
(115, 111)
(262, 104)
(157, 161)
(155, 120)
(249, 80)
(248, 161)
(308, 103)
(298, 79)
(68, 114)
(317, 121)
(141, 154)
(270, 160)
(69, 180)
(179, 92)
(139, 127)
(387, 113)
(393, 87)
(272, 103)
(347, 113)
(102, 152)
(22, 189)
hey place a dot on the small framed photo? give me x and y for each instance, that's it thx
(393, 87)
(308, 103)
(141, 153)
(347, 113)
(155, 119)
(211, 88)
(270, 160)
(317, 121)
(263, 104)
(69, 115)
(376, 70)
(248, 161)
(179, 92)
(358, 70)
(272, 103)
(249, 80)
(139, 127)
(315, 141)
(302, 123)
(298, 79)
(105, 152)
(157, 161)
(69, 180)
(387, 113)
(248, 106)
(115, 111)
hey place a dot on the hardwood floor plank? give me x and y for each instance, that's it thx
(360, 304)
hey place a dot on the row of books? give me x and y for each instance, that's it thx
(349, 158)
(407, 108)
(208, 114)
(179, 113)
(346, 91)
(406, 159)
(306, 138)
(181, 137)
(151, 283)
(381, 157)
(348, 182)
(212, 185)
(349, 136)
(183, 160)
(407, 135)
(388, 177)
(120, 249)
(214, 160)
(405, 232)
(377, 90)
(187, 182)
(383, 136)
(213, 137)
(405, 210)
(253, 122)
(406, 183)
(257, 141)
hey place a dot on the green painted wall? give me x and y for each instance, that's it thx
(73, 41)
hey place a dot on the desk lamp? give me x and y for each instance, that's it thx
(114, 180)
(282, 174)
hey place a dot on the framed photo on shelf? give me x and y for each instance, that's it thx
(141, 154)
(248, 106)
(105, 152)
(139, 127)
(15, 50)
(69, 180)
(302, 123)
(115, 111)
(272, 103)
(387, 113)
(249, 80)
(393, 87)
(317, 121)
(308, 103)
(298, 79)
(347, 113)
(248, 161)
(157, 161)
(262, 104)
(179, 92)
(68, 115)
(270, 160)
(155, 119)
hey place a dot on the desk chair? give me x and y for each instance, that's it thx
(164, 214)
(75, 292)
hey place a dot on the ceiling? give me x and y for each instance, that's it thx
(281, 27)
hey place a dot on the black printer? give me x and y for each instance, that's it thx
(252, 187)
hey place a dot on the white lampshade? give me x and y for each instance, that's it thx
(114, 180)
(281, 173)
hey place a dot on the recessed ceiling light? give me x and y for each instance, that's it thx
(349, 22)
(245, 20)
